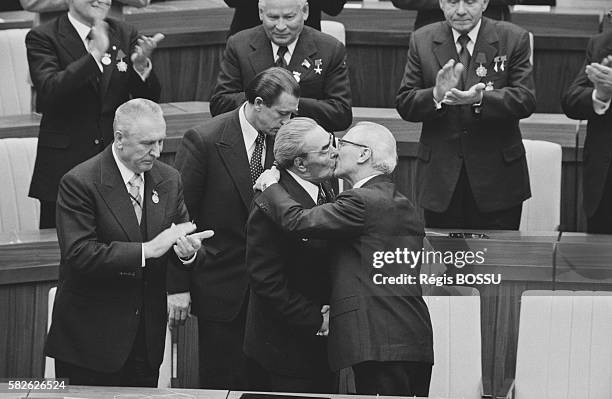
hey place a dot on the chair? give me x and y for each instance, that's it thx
(542, 212)
(165, 370)
(457, 370)
(17, 211)
(335, 29)
(15, 91)
(564, 345)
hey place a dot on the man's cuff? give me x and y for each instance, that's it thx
(600, 107)
(146, 71)
(188, 261)
(143, 261)
(268, 184)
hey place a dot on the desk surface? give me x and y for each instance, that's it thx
(83, 392)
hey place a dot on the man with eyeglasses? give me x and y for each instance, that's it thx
(380, 329)
(219, 161)
(287, 316)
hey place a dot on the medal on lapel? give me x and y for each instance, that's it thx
(155, 197)
(499, 63)
(297, 76)
(306, 63)
(481, 71)
(121, 65)
(318, 64)
(106, 60)
(489, 86)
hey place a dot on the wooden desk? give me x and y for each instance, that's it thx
(16, 19)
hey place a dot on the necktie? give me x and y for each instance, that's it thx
(321, 198)
(464, 57)
(256, 166)
(464, 54)
(134, 190)
(280, 61)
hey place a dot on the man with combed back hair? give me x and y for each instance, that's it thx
(118, 216)
(382, 331)
(219, 161)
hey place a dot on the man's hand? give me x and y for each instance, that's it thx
(267, 178)
(187, 246)
(98, 42)
(471, 96)
(179, 308)
(601, 76)
(167, 238)
(143, 51)
(324, 330)
(447, 79)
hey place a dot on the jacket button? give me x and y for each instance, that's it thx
(464, 131)
(137, 312)
(96, 141)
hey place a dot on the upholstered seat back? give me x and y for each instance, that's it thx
(15, 89)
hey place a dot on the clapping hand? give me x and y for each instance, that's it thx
(600, 74)
(447, 79)
(144, 49)
(471, 96)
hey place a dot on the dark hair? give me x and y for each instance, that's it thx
(270, 84)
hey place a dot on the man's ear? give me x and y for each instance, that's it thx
(298, 163)
(364, 156)
(258, 103)
(119, 138)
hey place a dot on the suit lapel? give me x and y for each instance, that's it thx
(109, 69)
(71, 42)
(155, 210)
(115, 195)
(305, 49)
(295, 190)
(234, 156)
(444, 45)
(261, 56)
(485, 46)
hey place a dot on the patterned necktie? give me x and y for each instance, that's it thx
(464, 57)
(280, 61)
(134, 190)
(321, 198)
(256, 167)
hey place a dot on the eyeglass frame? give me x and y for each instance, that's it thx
(341, 142)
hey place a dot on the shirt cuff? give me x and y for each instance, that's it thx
(600, 107)
(188, 261)
(146, 72)
(142, 262)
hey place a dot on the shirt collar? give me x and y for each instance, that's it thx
(290, 48)
(82, 29)
(311, 188)
(126, 173)
(473, 34)
(363, 181)
(249, 133)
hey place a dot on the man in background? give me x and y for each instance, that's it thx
(469, 80)
(83, 66)
(588, 98)
(316, 61)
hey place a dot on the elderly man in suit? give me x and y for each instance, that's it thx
(316, 61)
(429, 10)
(246, 14)
(219, 162)
(118, 215)
(288, 276)
(470, 81)
(381, 330)
(83, 66)
(589, 98)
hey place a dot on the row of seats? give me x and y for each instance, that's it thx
(564, 346)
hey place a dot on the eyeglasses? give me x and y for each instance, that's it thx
(342, 142)
(326, 149)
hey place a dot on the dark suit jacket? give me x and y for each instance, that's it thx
(489, 144)
(578, 104)
(289, 281)
(325, 97)
(429, 10)
(77, 111)
(218, 191)
(103, 291)
(246, 14)
(367, 321)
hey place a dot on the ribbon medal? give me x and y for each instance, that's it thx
(318, 64)
(155, 197)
